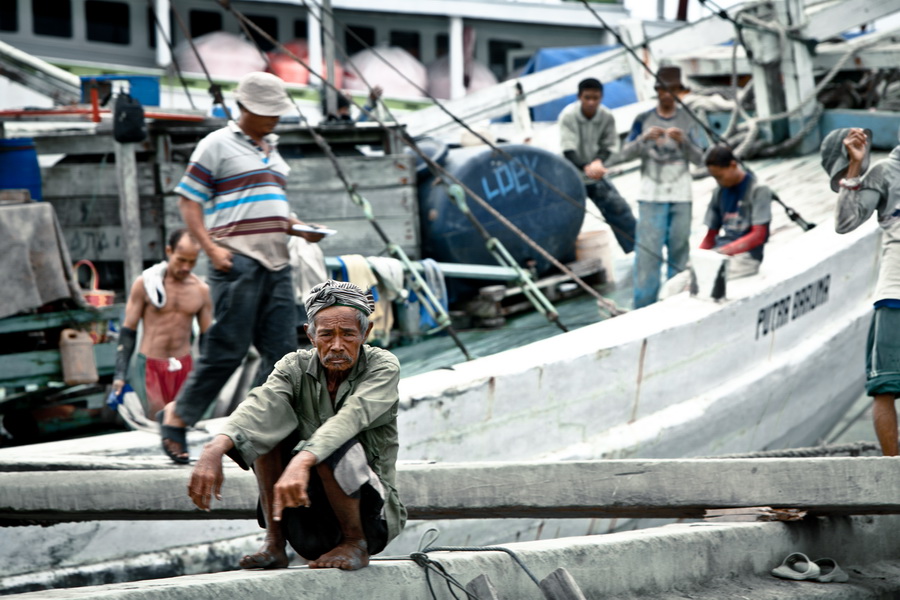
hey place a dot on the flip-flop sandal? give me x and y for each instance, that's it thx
(173, 434)
(797, 566)
(830, 571)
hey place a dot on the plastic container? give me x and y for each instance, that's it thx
(596, 244)
(529, 203)
(76, 352)
(19, 168)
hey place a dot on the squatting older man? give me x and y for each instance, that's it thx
(321, 434)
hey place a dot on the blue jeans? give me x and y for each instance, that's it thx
(252, 305)
(659, 224)
(615, 211)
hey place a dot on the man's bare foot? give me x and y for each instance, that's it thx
(266, 558)
(350, 555)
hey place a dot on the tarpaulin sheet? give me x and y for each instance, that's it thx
(35, 268)
(615, 93)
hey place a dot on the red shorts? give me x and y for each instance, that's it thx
(164, 378)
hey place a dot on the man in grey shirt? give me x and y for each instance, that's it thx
(862, 194)
(666, 139)
(587, 137)
(321, 434)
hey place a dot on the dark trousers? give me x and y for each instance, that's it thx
(315, 530)
(252, 305)
(615, 210)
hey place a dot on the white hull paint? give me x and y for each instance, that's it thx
(683, 377)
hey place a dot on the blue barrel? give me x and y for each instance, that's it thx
(19, 167)
(538, 210)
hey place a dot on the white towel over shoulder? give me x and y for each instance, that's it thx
(154, 283)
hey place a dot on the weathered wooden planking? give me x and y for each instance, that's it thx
(105, 242)
(363, 171)
(327, 205)
(359, 237)
(680, 488)
(92, 180)
(43, 366)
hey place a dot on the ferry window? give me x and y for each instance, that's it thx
(300, 27)
(9, 16)
(107, 22)
(52, 17)
(267, 24)
(205, 21)
(408, 40)
(497, 50)
(441, 45)
(353, 45)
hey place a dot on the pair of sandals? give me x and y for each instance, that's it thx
(799, 567)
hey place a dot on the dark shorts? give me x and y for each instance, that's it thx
(314, 531)
(883, 353)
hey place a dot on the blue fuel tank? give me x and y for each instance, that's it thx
(538, 210)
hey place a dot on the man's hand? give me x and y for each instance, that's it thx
(220, 258)
(654, 133)
(855, 142)
(675, 134)
(595, 169)
(290, 489)
(207, 477)
(117, 386)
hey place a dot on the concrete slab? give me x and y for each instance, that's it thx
(697, 561)
(672, 488)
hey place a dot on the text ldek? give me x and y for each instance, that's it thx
(793, 306)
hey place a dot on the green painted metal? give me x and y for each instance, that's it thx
(66, 318)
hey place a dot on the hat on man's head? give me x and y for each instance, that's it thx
(835, 160)
(338, 293)
(669, 77)
(263, 94)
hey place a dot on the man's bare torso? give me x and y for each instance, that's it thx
(167, 330)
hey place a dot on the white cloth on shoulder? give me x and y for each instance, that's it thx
(154, 283)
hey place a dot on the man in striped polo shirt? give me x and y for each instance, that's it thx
(233, 202)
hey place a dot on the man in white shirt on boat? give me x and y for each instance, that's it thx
(861, 194)
(587, 136)
(738, 214)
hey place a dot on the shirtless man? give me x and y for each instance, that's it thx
(167, 297)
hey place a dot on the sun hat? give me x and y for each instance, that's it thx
(669, 77)
(263, 94)
(834, 155)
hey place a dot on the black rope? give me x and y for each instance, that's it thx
(329, 153)
(429, 564)
(512, 554)
(440, 173)
(171, 47)
(550, 185)
(215, 90)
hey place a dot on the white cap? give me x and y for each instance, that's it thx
(263, 94)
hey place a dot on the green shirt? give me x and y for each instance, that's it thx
(295, 398)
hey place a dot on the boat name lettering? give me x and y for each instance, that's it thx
(511, 176)
(793, 306)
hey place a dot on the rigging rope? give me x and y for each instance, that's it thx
(171, 47)
(549, 184)
(443, 174)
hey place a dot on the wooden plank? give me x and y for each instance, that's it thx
(107, 243)
(60, 319)
(682, 488)
(43, 366)
(364, 171)
(482, 588)
(90, 210)
(359, 237)
(91, 180)
(560, 585)
(325, 205)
